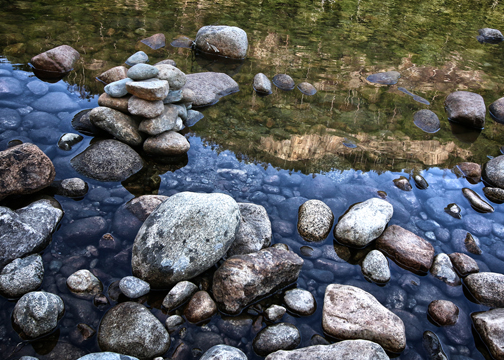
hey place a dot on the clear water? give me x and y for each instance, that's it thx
(288, 145)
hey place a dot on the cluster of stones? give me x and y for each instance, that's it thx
(262, 85)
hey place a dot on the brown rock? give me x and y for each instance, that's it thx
(443, 312)
(201, 307)
(464, 264)
(352, 313)
(466, 108)
(495, 195)
(242, 279)
(490, 326)
(59, 59)
(487, 288)
(115, 74)
(406, 249)
(477, 203)
(471, 245)
(168, 143)
(145, 108)
(151, 89)
(156, 41)
(470, 170)
(24, 169)
(107, 241)
(120, 104)
(143, 206)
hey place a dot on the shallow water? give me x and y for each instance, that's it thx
(286, 146)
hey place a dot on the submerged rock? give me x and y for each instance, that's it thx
(487, 288)
(155, 42)
(37, 313)
(60, 59)
(427, 120)
(406, 249)
(186, 235)
(24, 169)
(282, 336)
(315, 220)
(477, 203)
(375, 267)
(131, 329)
(284, 82)
(242, 279)
(307, 88)
(262, 84)
(352, 313)
(348, 349)
(490, 36)
(443, 312)
(363, 222)
(403, 183)
(384, 78)
(490, 326)
(433, 347)
(466, 108)
(21, 276)
(227, 41)
(209, 87)
(108, 160)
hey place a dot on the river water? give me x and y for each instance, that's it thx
(278, 150)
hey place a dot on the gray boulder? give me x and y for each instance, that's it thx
(24, 169)
(254, 232)
(487, 288)
(108, 160)
(152, 89)
(227, 41)
(490, 326)
(107, 356)
(315, 220)
(352, 313)
(375, 267)
(117, 124)
(262, 84)
(363, 222)
(37, 313)
(130, 328)
(282, 336)
(169, 143)
(142, 72)
(209, 87)
(466, 108)
(133, 287)
(242, 279)
(22, 276)
(223, 352)
(179, 294)
(493, 171)
(166, 121)
(27, 230)
(300, 302)
(348, 349)
(186, 235)
(60, 59)
(175, 77)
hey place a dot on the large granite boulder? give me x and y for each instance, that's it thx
(37, 313)
(466, 108)
(254, 232)
(131, 329)
(186, 235)
(487, 288)
(352, 313)
(490, 327)
(227, 41)
(24, 169)
(209, 87)
(117, 124)
(242, 279)
(406, 249)
(22, 276)
(27, 230)
(363, 222)
(108, 160)
(60, 59)
(348, 349)
(493, 171)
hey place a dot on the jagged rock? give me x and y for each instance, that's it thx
(352, 313)
(466, 108)
(363, 222)
(282, 336)
(151, 89)
(133, 287)
(242, 279)
(254, 232)
(348, 349)
(108, 160)
(463, 264)
(406, 249)
(375, 267)
(443, 312)
(223, 352)
(115, 74)
(60, 59)
(119, 125)
(179, 294)
(169, 143)
(27, 230)
(37, 313)
(184, 236)
(22, 276)
(300, 302)
(131, 329)
(201, 307)
(24, 169)
(442, 269)
(487, 288)
(208, 87)
(227, 41)
(490, 326)
(84, 284)
(315, 220)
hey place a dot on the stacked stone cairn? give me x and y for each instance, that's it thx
(146, 105)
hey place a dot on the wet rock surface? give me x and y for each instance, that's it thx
(276, 337)
(442, 269)
(201, 307)
(487, 288)
(131, 329)
(21, 276)
(119, 125)
(262, 84)
(427, 120)
(133, 287)
(384, 78)
(433, 347)
(196, 226)
(168, 143)
(300, 302)
(490, 326)
(84, 284)
(179, 294)
(284, 82)
(490, 36)
(477, 203)
(466, 108)
(244, 278)
(227, 41)
(375, 267)
(443, 312)
(352, 313)
(464, 264)
(315, 220)
(60, 59)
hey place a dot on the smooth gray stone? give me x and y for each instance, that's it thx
(142, 72)
(22, 276)
(282, 336)
(179, 294)
(262, 84)
(117, 88)
(193, 117)
(209, 87)
(227, 41)
(300, 302)
(223, 352)
(137, 58)
(175, 77)
(133, 287)
(375, 267)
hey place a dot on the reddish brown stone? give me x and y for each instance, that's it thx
(201, 307)
(156, 41)
(443, 312)
(471, 245)
(406, 249)
(464, 264)
(61, 59)
(115, 74)
(143, 206)
(24, 169)
(120, 104)
(471, 170)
